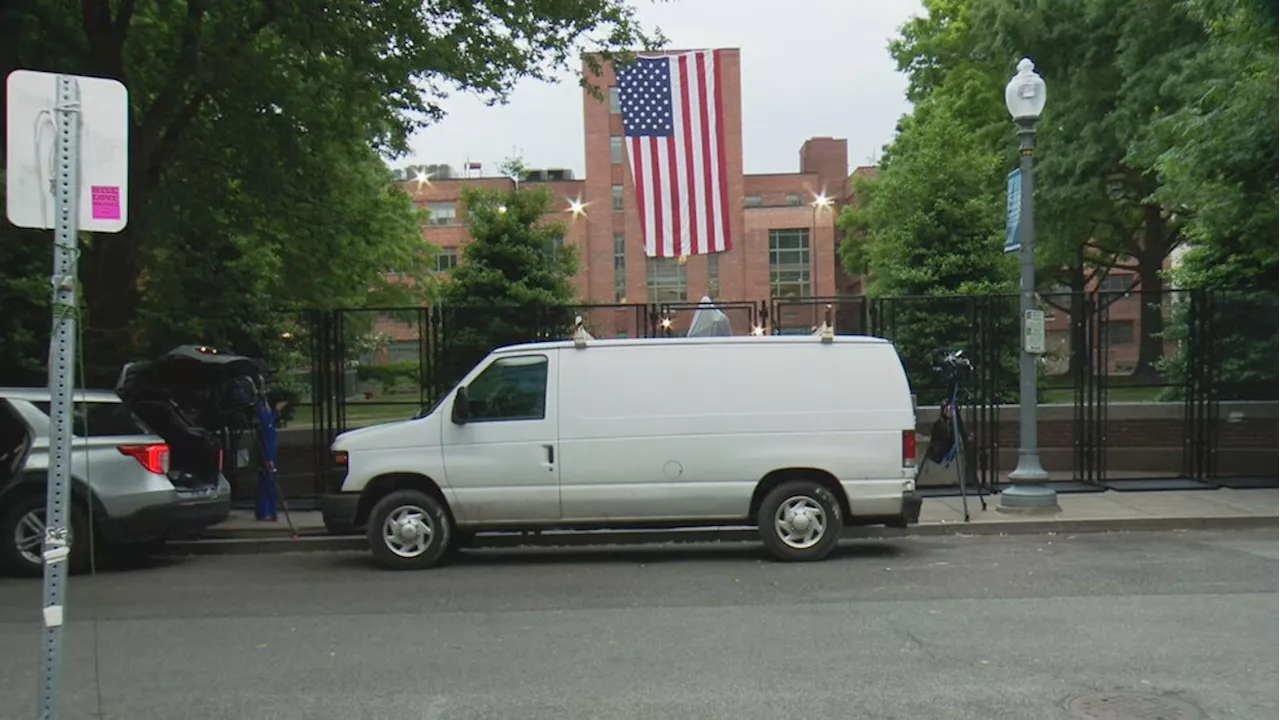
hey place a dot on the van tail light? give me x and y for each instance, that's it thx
(340, 458)
(909, 448)
(155, 458)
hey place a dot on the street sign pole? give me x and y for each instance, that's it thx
(85, 180)
(62, 353)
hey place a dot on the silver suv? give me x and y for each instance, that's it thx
(137, 487)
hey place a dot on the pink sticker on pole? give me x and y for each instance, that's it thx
(106, 202)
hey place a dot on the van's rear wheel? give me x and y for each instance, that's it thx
(800, 521)
(409, 530)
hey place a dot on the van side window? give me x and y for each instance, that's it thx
(513, 388)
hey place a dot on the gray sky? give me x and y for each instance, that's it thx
(809, 68)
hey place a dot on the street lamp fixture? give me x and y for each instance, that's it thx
(422, 178)
(1025, 97)
(821, 200)
(577, 208)
(1025, 93)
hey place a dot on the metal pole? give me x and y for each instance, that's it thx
(1029, 491)
(813, 255)
(62, 353)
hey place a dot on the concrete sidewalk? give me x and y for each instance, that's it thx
(1107, 511)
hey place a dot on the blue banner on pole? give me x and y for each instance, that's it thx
(1013, 214)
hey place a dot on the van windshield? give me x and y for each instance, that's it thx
(428, 409)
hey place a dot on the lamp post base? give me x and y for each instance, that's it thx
(1030, 493)
(1029, 500)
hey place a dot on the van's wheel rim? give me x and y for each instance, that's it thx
(801, 522)
(28, 536)
(408, 531)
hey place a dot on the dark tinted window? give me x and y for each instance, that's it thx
(101, 419)
(510, 389)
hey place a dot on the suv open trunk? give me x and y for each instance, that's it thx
(186, 397)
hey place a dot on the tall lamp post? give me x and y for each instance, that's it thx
(1025, 98)
(820, 202)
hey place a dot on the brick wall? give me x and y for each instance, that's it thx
(1141, 438)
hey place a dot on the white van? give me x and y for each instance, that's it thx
(799, 436)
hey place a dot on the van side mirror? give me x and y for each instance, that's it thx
(461, 407)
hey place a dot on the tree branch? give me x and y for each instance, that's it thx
(167, 100)
(167, 143)
(58, 33)
(167, 119)
(124, 16)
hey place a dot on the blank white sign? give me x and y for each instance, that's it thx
(31, 132)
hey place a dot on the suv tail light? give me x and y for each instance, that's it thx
(155, 458)
(909, 448)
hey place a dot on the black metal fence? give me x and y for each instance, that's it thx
(1178, 387)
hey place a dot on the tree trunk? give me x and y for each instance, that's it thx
(110, 269)
(1079, 334)
(1151, 279)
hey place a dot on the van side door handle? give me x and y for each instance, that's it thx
(551, 454)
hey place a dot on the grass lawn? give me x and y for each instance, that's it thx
(362, 413)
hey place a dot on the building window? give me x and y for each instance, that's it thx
(713, 275)
(619, 268)
(752, 201)
(446, 259)
(617, 198)
(442, 213)
(615, 100)
(1119, 332)
(1117, 283)
(668, 280)
(615, 149)
(789, 263)
(554, 245)
(793, 200)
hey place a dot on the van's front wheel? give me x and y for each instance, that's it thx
(409, 530)
(800, 521)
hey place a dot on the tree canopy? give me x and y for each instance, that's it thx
(1160, 132)
(258, 134)
(514, 283)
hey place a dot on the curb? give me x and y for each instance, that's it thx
(255, 544)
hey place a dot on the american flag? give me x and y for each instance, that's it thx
(672, 119)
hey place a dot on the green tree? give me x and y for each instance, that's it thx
(514, 283)
(929, 229)
(1217, 157)
(1108, 64)
(251, 113)
(1217, 154)
(1160, 126)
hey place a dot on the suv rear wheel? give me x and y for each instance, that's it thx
(22, 528)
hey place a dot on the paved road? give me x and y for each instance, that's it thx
(983, 628)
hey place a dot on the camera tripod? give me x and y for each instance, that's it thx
(948, 440)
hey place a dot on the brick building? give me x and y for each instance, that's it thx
(782, 224)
